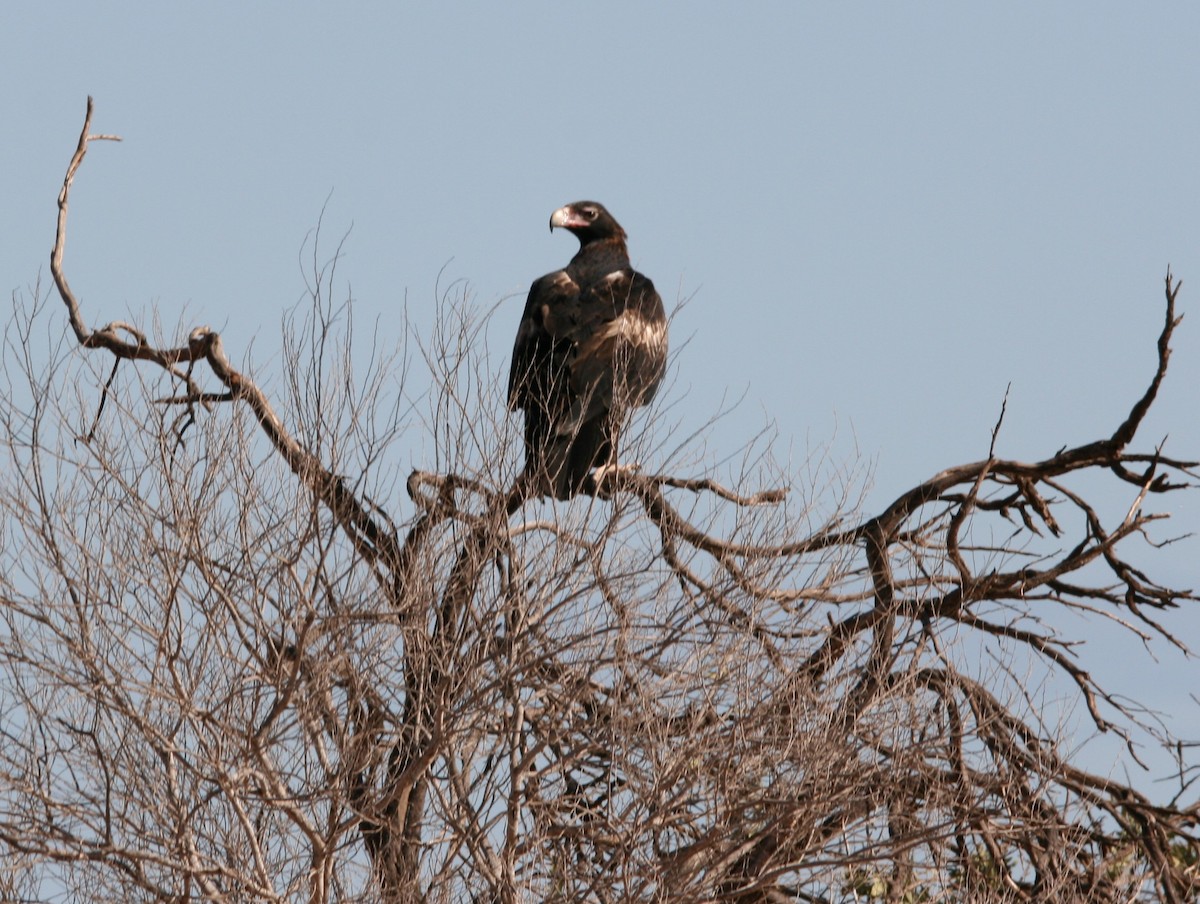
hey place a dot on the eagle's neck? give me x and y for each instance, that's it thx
(597, 259)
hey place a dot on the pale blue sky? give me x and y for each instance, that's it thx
(882, 213)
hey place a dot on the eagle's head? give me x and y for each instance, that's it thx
(588, 220)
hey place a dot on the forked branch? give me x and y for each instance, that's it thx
(371, 531)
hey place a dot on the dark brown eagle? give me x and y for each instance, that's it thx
(591, 346)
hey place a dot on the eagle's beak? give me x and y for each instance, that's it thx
(560, 218)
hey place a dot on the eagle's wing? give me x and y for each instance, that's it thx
(620, 351)
(544, 342)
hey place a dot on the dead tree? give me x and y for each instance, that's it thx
(230, 673)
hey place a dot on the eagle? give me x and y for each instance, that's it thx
(592, 345)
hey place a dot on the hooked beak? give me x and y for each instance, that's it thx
(564, 218)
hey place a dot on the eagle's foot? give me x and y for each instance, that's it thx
(607, 477)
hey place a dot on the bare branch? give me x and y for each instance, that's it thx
(229, 671)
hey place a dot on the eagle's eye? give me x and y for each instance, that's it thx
(591, 213)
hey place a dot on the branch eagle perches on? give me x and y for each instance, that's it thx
(682, 692)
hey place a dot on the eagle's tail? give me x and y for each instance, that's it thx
(566, 459)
